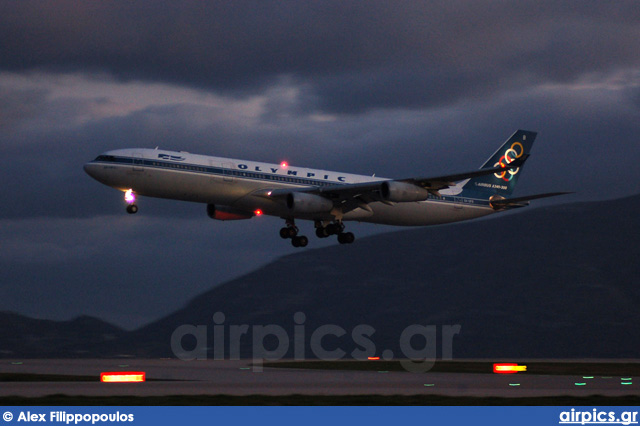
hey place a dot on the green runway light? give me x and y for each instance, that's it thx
(587, 377)
(626, 383)
(580, 384)
(626, 379)
(245, 368)
(16, 363)
(429, 384)
(514, 384)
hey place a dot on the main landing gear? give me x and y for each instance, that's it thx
(322, 231)
(335, 228)
(291, 231)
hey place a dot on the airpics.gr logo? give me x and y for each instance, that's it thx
(510, 154)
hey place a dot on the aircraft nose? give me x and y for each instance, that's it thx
(90, 169)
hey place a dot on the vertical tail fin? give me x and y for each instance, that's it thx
(501, 184)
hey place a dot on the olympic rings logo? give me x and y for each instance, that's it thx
(510, 154)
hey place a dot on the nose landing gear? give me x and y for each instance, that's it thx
(130, 199)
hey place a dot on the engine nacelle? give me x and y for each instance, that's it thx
(300, 202)
(227, 213)
(402, 192)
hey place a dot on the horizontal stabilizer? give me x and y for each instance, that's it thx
(510, 203)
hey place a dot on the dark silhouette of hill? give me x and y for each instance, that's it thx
(83, 336)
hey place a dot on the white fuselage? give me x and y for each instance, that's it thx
(237, 184)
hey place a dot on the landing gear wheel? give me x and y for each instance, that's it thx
(300, 241)
(288, 232)
(346, 237)
(334, 228)
(132, 209)
(322, 232)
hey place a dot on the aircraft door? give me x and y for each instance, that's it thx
(227, 170)
(137, 162)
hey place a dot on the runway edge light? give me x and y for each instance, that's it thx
(123, 377)
(508, 368)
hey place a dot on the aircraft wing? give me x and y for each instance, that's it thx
(351, 196)
(435, 184)
(346, 197)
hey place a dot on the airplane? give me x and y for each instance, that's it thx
(236, 189)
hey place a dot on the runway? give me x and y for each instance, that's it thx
(175, 377)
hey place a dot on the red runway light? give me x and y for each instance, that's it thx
(284, 164)
(258, 212)
(123, 376)
(508, 368)
(373, 358)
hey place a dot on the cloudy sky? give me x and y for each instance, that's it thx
(394, 88)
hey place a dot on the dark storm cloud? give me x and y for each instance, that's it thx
(42, 156)
(17, 106)
(351, 56)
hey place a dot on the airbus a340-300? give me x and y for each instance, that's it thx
(236, 189)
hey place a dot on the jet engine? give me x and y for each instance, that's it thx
(300, 202)
(227, 213)
(401, 192)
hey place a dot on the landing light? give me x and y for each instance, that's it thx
(129, 197)
(123, 377)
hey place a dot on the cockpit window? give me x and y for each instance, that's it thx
(109, 158)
